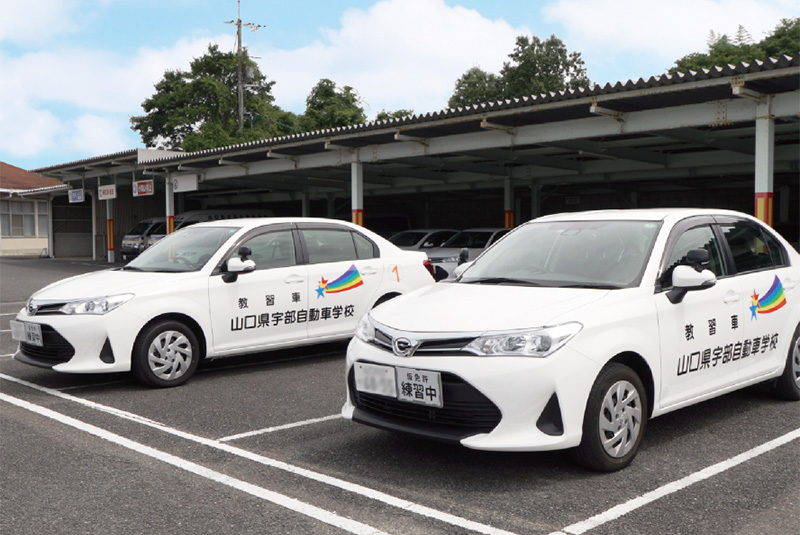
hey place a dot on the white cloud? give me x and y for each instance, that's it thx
(656, 33)
(397, 54)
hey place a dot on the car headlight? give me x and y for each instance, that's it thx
(95, 305)
(540, 342)
(365, 330)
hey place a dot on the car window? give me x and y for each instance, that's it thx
(185, 250)
(364, 247)
(748, 247)
(329, 245)
(472, 238)
(272, 249)
(436, 239)
(609, 254)
(701, 237)
(407, 238)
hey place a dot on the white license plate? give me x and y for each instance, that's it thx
(30, 333)
(374, 379)
(419, 386)
(406, 384)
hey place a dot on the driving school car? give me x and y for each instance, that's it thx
(575, 329)
(215, 289)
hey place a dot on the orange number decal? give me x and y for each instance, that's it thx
(396, 272)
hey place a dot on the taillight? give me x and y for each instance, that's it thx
(429, 266)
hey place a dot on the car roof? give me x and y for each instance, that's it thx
(253, 222)
(640, 214)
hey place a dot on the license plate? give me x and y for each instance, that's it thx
(419, 386)
(30, 333)
(405, 384)
(374, 379)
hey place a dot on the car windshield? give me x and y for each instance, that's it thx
(469, 238)
(405, 239)
(585, 254)
(138, 230)
(185, 250)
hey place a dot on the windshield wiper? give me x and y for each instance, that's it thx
(500, 280)
(130, 268)
(593, 285)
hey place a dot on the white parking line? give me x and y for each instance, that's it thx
(266, 461)
(670, 488)
(279, 427)
(303, 508)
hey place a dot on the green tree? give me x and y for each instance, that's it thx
(724, 50)
(474, 86)
(328, 106)
(198, 109)
(384, 115)
(536, 67)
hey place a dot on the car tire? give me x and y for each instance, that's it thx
(165, 354)
(614, 421)
(788, 384)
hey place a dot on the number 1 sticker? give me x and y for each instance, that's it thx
(396, 273)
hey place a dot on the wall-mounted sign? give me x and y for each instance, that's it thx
(184, 183)
(142, 188)
(76, 195)
(105, 193)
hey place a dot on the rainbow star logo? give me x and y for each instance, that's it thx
(773, 300)
(350, 279)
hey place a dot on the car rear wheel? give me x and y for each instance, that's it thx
(615, 420)
(165, 354)
(788, 385)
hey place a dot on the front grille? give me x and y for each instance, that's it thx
(428, 347)
(466, 410)
(55, 350)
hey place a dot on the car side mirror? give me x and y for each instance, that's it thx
(427, 245)
(463, 256)
(461, 269)
(234, 266)
(689, 278)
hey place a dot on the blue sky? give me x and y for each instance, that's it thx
(73, 72)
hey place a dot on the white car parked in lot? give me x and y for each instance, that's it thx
(215, 289)
(575, 329)
(470, 243)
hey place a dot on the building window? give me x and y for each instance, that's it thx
(20, 218)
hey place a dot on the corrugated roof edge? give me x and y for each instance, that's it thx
(595, 90)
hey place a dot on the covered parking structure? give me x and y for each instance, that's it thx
(726, 137)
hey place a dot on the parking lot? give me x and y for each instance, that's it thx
(255, 444)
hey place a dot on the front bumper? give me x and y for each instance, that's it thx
(82, 343)
(490, 403)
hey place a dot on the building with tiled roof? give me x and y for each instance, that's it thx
(25, 211)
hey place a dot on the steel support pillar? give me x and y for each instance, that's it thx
(508, 203)
(169, 204)
(357, 195)
(765, 162)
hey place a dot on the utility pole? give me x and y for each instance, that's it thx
(240, 56)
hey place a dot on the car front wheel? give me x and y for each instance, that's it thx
(615, 420)
(788, 384)
(165, 354)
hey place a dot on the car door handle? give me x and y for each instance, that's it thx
(368, 271)
(294, 279)
(789, 284)
(732, 298)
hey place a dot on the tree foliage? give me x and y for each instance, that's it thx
(328, 106)
(726, 50)
(198, 109)
(384, 115)
(536, 67)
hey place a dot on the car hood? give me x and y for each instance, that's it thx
(474, 308)
(444, 252)
(108, 282)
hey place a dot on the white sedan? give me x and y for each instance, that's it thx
(575, 329)
(216, 289)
